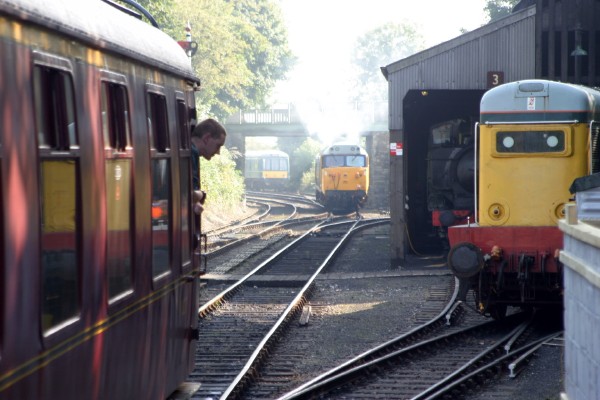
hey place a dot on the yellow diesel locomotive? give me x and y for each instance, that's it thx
(534, 138)
(342, 177)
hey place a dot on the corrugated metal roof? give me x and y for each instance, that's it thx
(506, 45)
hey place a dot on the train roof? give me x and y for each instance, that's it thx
(540, 100)
(265, 153)
(103, 26)
(343, 148)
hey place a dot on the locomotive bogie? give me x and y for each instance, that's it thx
(506, 244)
(343, 201)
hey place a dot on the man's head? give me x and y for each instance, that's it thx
(208, 137)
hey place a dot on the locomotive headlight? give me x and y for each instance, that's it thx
(552, 141)
(508, 142)
(465, 260)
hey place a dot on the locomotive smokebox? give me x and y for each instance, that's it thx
(465, 260)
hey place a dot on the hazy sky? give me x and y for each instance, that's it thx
(322, 34)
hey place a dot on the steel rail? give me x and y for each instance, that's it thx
(341, 376)
(241, 379)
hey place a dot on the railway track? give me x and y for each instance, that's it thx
(244, 320)
(267, 355)
(445, 365)
(275, 216)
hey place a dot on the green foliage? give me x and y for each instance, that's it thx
(301, 161)
(242, 51)
(379, 47)
(499, 8)
(161, 11)
(222, 182)
(267, 55)
(307, 183)
(242, 48)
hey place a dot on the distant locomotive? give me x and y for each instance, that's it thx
(266, 169)
(98, 275)
(535, 137)
(450, 172)
(342, 178)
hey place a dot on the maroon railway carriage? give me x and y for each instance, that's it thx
(98, 281)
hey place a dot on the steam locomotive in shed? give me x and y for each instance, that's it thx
(342, 178)
(450, 171)
(266, 169)
(98, 273)
(535, 137)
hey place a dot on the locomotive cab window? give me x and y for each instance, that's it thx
(158, 130)
(60, 201)
(356, 161)
(118, 178)
(532, 142)
(344, 161)
(333, 161)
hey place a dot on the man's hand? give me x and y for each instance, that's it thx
(198, 197)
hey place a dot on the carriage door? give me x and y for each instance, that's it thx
(118, 161)
(58, 147)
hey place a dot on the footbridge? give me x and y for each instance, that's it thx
(362, 118)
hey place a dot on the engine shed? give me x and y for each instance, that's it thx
(548, 39)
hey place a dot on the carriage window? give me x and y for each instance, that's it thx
(185, 187)
(158, 123)
(283, 164)
(183, 125)
(161, 183)
(276, 164)
(530, 142)
(59, 188)
(119, 201)
(161, 216)
(54, 109)
(115, 117)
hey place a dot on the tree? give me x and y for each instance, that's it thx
(162, 12)
(222, 181)
(242, 51)
(267, 54)
(499, 8)
(242, 48)
(379, 47)
(302, 152)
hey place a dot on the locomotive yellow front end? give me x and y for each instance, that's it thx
(526, 171)
(535, 138)
(342, 178)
